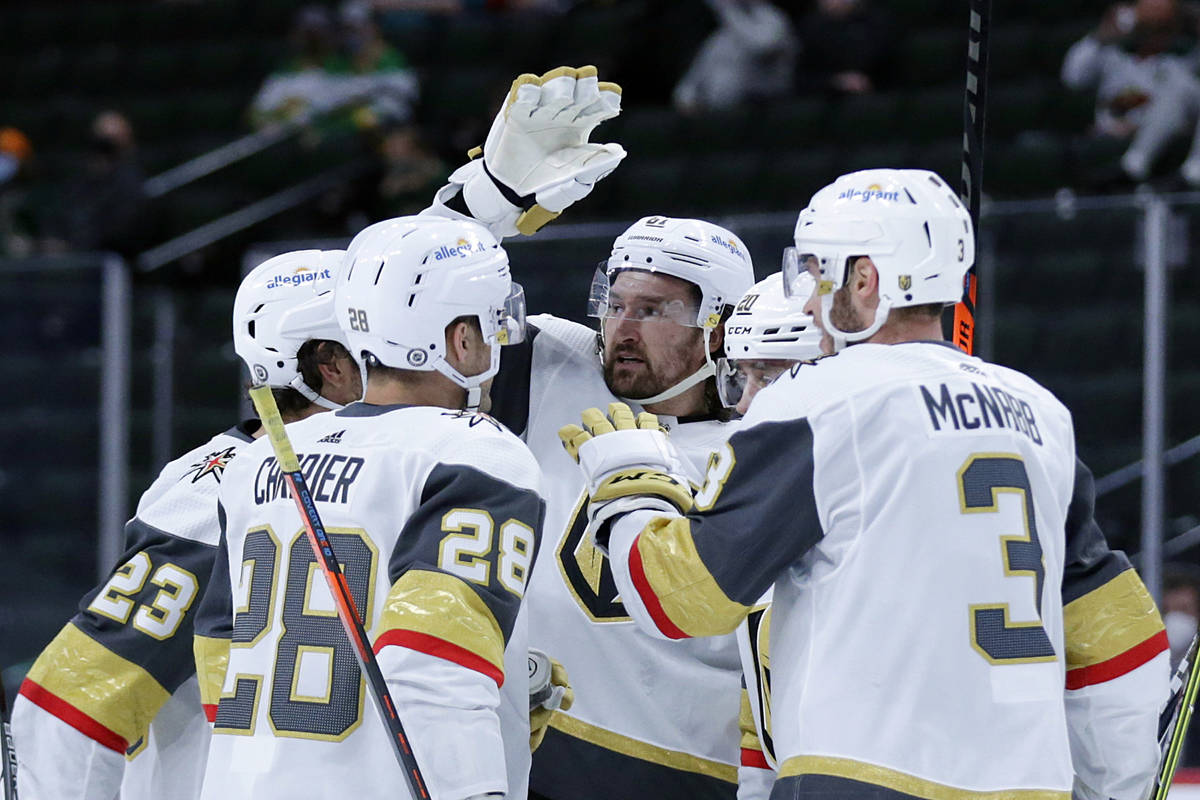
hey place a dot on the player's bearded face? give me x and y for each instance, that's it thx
(645, 357)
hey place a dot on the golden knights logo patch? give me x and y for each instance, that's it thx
(905, 282)
(212, 464)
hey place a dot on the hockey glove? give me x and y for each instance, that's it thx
(547, 693)
(537, 159)
(628, 464)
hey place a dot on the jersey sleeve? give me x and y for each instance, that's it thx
(1117, 658)
(459, 568)
(111, 668)
(214, 629)
(687, 575)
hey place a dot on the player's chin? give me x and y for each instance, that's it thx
(629, 379)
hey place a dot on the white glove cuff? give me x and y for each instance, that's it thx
(483, 199)
(600, 516)
(607, 453)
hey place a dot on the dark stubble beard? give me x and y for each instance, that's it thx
(651, 380)
(842, 315)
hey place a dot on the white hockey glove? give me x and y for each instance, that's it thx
(549, 691)
(537, 159)
(629, 464)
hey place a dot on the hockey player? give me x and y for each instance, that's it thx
(647, 713)
(433, 511)
(928, 530)
(768, 334)
(118, 682)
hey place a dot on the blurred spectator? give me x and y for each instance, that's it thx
(370, 68)
(1140, 60)
(16, 222)
(303, 82)
(332, 65)
(104, 208)
(751, 56)
(846, 47)
(1180, 607)
(410, 172)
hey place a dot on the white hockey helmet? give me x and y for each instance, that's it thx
(712, 258)
(908, 221)
(403, 284)
(766, 325)
(708, 256)
(281, 304)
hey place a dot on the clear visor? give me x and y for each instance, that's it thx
(605, 303)
(510, 320)
(734, 376)
(796, 264)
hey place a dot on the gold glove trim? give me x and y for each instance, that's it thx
(903, 782)
(641, 480)
(535, 219)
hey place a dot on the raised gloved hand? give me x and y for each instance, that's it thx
(549, 691)
(537, 159)
(628, 464)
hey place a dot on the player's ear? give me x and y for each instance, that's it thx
(865, 277)
(462, 341)
(716, 341)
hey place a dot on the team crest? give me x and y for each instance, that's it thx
(905, 282)
(212, 464)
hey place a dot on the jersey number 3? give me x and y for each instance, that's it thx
(993, 634)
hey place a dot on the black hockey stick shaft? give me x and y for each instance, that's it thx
(348, 613)
(10, 752)
(1175, 719)
(974, 118)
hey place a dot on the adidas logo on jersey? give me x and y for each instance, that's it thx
(333, 438)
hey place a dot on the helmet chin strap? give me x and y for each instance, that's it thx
(843, 338)
(303, 388)
(705, 372)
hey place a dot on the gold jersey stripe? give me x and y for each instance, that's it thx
(442, 606)
(903, 782)
(687, 591)
(628, 746)
(115, 692)
(1109, 620)
(746, 724)
(212, 659)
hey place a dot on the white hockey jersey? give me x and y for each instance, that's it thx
(435, 517)
(646, 712)
(112, 704)
(938, 580)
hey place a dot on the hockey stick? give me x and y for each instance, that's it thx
(974, 114)
(348, 613)
(1175, 718)
(10, 752)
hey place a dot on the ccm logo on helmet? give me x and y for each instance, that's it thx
(734, 330)
(300, 276)
(461, 249)
(872, 192)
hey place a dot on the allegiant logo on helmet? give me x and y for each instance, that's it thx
(302, 275)
(461, 249)
(729, 245)
(872, 192)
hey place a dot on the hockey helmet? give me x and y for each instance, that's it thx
(909, 222)
(402, 284)
(281, 304)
